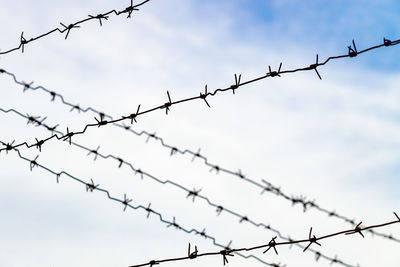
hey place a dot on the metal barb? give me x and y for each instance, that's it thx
(387, 42)
(244, 219)
(240, 174)
(203, 233)
(174, 224)
(197, 154)
(203, 96)
(237, 83)
(167, 104)
(120, 162)
(192, 255)
(274, 73)
(311, 239)
(33, 163)
(219, 210)
(357, 229)
(100, 122)
(317, 255)
(153, 135)
(68, 136)
(91, 186)
(314, 67)
(148, 210)
(77, 107)
(68, 28)
(23, 42)
(194, 193)
(99, 17)
(95, 152)
(8, 146)
(272, 244)
(216, 168)
(130, 9)
(27, 86)
(39, 144)
(126, 202)
(352, 50)
(133, 116)
(173, 151)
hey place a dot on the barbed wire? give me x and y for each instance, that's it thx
(92, 186)
(312, 239)
(67, 29)
(352, 52)
(265, 186)
(227, 251)
(189, 193)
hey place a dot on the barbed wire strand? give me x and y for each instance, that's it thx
(24, 41)
(167, 105)
(91, 186)
(312, 239)
(352, 52)
(265, 186)
(227, 251)
(189, 193)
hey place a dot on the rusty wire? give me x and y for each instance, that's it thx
(189, 193)
(92, 186)
(265, 186)
(67, 28)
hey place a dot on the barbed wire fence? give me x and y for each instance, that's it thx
(193, 194)
(104, 119)
(91, 186)
(265, 186)
(227, 251)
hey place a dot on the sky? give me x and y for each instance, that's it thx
(333, 140)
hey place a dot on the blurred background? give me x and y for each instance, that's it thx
(334, 141)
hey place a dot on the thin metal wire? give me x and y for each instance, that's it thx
(189, 193)
(104, 16)
(265, 186)
(227, 251)
(91, 187)
(312, 239)
(167, 105)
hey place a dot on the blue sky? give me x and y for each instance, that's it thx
(315, 23)
(334, 140)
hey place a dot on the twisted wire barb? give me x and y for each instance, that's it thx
(69, 27)
(190, 193)
(265, 186)
(91, 187)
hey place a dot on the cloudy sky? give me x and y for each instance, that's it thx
(333, 140)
